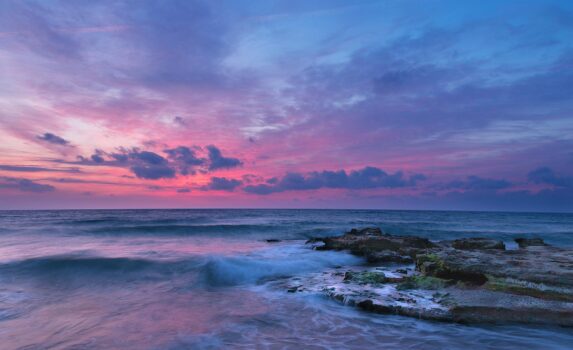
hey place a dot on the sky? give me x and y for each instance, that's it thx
(446, 105)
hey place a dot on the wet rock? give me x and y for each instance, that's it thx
(484, 306)
(366, 232)
(293, 289)
(536, 290)
(365, 277)
(369, 277)
(477, 243)
(423, 282)
(368, 241)
(272, 240)
(436, 299)
(388, 256)
(471, 280)
(544, 265)
(530, 242)
(434, 265)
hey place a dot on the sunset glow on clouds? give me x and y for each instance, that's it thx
(334, 104)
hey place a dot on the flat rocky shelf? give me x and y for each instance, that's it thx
(472, 280)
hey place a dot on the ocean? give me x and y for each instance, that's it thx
(206, 279)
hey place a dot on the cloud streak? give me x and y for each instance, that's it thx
(222, 184)
(35, 169)
(366, 178)
(24, 185)
(53, 139)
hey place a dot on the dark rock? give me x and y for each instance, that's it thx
(423, 282)
(547, 265)
(530, 242)
(367, 231)
(272, 240)
(483, 306)
(477, 243)
(437, 299)
(433, 265)
(365, 277)
(426, 314)
(367, 241)
(472, 280)
(388, 256)
(293, 289)
(369, 305)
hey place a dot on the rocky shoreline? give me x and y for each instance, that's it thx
(470, 280)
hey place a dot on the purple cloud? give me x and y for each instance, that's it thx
(53, 139)
(366, 178)
(218, 161)
(185, 159)
(180, 160)
(546, 175)
(476, 183)
(35, 169)
(24, 185)
(222, 184)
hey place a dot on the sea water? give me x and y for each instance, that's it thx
(206, 279)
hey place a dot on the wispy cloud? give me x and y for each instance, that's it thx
(262, 103)
(24, 185)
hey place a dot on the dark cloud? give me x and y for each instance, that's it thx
(260, 189)
(150, 165)
(545, 175)
(153, 172)
(222, 184)
(98, 157)
(272, 180)
(143, 164)
(180, 121)
(368, 177)
(34, 169)
(184, 190)
(476, 183)
(185, 158)
(251, 178)
(120, 157)
(148, 157)
(218, 161)
(25, 185)
(53, 139)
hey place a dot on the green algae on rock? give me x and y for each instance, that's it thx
(469, 280)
